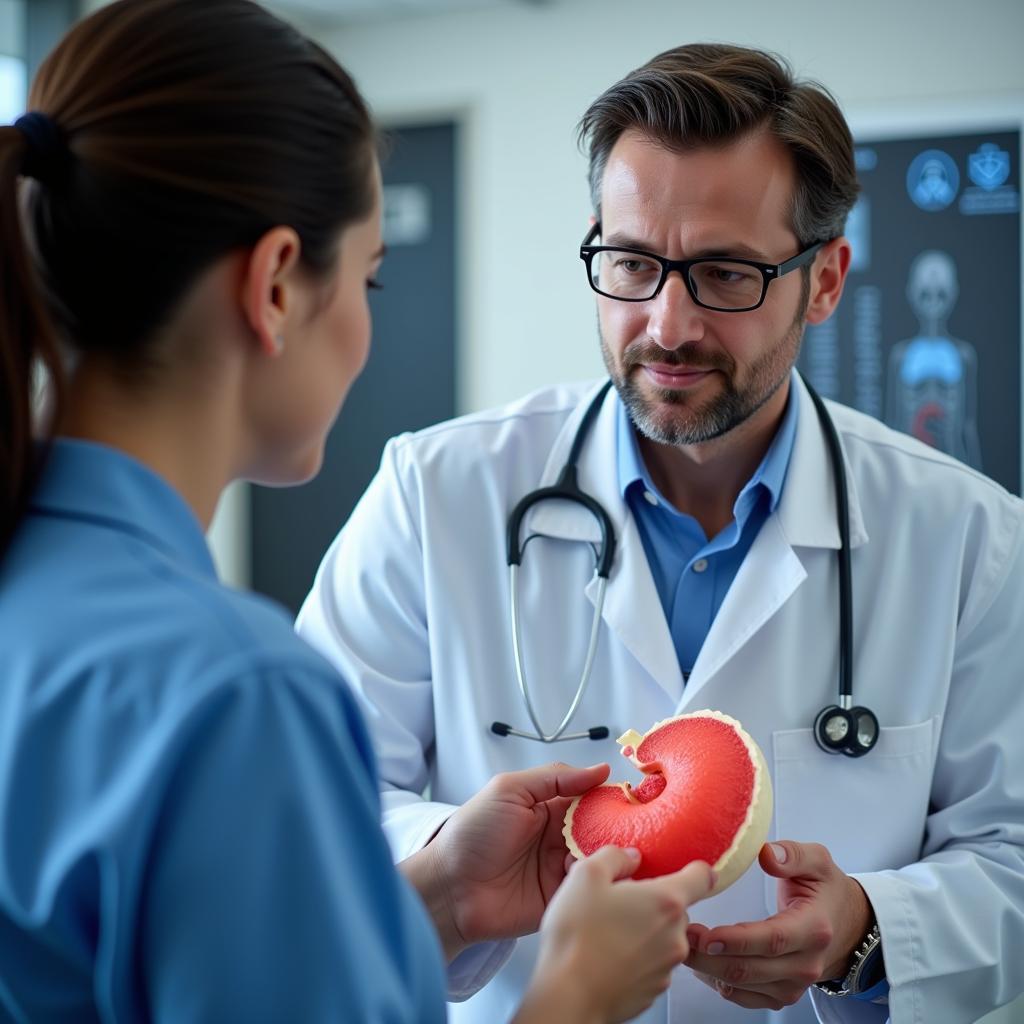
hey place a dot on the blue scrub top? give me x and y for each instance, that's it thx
(188, 798)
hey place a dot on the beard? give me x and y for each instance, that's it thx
(676, 418)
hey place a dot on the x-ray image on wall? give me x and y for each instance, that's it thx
(928, 334)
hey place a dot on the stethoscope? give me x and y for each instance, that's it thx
(841, 728)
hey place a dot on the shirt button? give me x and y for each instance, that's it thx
(700, 565)
(651, 498)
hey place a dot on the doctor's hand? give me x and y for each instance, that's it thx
(608, 944)
(823, 915)
(494, 865)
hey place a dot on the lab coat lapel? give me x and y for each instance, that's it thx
(767, 578)
(633, 612)
(632, 609)
(806, 517)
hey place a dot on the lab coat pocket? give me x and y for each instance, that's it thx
(868, 811)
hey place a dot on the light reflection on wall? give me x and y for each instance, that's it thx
(13, 88)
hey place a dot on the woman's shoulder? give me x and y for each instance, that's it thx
(142, 622)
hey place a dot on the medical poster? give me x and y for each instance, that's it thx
(928, 334)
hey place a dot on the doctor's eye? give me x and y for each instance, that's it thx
(373, 284)
(633, 265)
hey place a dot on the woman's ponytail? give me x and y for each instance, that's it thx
(164, 135)
(28, 343)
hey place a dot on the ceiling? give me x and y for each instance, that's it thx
(338, 12)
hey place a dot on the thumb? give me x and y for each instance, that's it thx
(612, 863)
(538, 785)
(693, 882)
(788, 859)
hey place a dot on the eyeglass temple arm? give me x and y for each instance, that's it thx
(799, 260)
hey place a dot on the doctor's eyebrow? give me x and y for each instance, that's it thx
(720, 251)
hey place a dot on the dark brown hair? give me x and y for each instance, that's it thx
(710, 95)
(185, 129)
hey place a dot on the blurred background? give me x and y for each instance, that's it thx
(486, 203)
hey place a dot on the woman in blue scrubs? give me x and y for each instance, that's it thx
(189, 221)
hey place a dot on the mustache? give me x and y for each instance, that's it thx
(693, 359)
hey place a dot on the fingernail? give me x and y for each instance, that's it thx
(714, 948)
(779, 852)
(724, 988)
(591, 767)
(633, 852)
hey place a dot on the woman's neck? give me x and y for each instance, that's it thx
(181, 432)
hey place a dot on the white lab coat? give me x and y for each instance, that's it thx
(412, 605)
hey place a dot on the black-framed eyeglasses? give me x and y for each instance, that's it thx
(727, 285)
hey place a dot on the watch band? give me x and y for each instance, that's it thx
(866, 968)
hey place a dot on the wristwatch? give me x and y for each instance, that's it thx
(867, 968)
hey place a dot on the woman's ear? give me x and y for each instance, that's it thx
(268, 287)
(828, 275)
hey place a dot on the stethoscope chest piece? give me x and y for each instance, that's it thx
(850, 731)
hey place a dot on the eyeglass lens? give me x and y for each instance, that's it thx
(721, 284)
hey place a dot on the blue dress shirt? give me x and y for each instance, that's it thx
(188, 803)
(693, 573)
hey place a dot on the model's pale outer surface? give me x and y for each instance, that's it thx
(412, 605)
(753, 831)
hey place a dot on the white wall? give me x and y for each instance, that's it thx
(520, 78)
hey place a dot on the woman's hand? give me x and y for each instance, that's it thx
(494, 865)
(609, 944)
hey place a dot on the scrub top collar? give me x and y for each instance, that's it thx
(770, 474)
(96, 483)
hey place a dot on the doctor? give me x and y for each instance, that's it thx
(895, 885)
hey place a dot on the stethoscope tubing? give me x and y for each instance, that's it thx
(581, 688)
(837, 729)
(845, 569)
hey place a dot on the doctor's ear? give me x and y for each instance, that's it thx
(828, 275)
(268, 287)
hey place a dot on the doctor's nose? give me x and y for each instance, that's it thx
(674, 319)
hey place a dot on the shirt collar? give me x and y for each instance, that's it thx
(89, 481)
(769, 475)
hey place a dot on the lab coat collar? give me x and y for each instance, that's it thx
(596, 475)
(93, 482)
(807, 510)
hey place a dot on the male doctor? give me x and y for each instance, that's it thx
(894, 886)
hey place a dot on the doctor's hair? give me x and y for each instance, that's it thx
(708, 95)
(163, 135)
